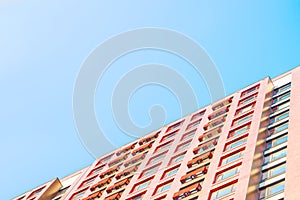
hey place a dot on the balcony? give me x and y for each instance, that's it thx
(100, 184)
(193, 174)
(116, 196)
(206, 146)
(148, 139)
(214, 123)
(199, 159)
(187, 191)
(222, 104)
(118, 185)
(142, 148)
(109, 171)
(218, 113)
(210, 134)
(117, 160)
(124, 150)
(93, 196)
(134, 160)
(127, 171)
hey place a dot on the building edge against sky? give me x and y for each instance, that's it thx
(241, 147)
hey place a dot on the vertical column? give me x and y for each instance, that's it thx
(292, 188)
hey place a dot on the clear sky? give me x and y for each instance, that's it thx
(44, 43)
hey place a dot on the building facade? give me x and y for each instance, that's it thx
(244, 146)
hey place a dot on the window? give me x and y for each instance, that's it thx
(150, 171)
(87, 182)
(170, 172)
(244, 109)
(223, 192)
(164, 146)
(36, 192)
(177, 158)
(78, 195)
(210, 134)
(198, 115)
(242, 120)
(183, 146)
(175, 126)
(164, 187)
(228, 173)
(277, 141)
(142, 185)
(157, 158)
(231, 158)
(238, 131)
(279, 117)
(169, 136)
(248, 99)
(279, 128)
(137, 197)
(218, 113)
(275, 156)
(250, 90)
(272, 190)
(96, 170)
(194, 124)
(280, 107)
(188, 135)
(105, 159)
(282, 89)
(274, 171)
(222, 104)
(281, 98)
(206, 146)
(235, 144)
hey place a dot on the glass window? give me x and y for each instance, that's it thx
(272, 190)
(197, 115)
(280, 107)
(170, 172)
(163, 188)
(282, 89)
(274, 171)
(183, 146)
(232, 158)
(177, 159)
(245, 109)
(275, 156)
(250, 90)
(163, 147)
(174, 126)
(88, 182)
(228, 173)
(188, 135)
(242, 120)
(277, 141)
(78, 195)
(139, 197)
(281, 98)
(277, 129)
(235, 144)
(238, 131)
(279, 117)
(150, 171)
(169, 136)
(142, 185)
(194, 124)
(223, 192)
(157, 158)
(247, 100)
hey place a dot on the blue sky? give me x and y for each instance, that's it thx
(44, 43)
